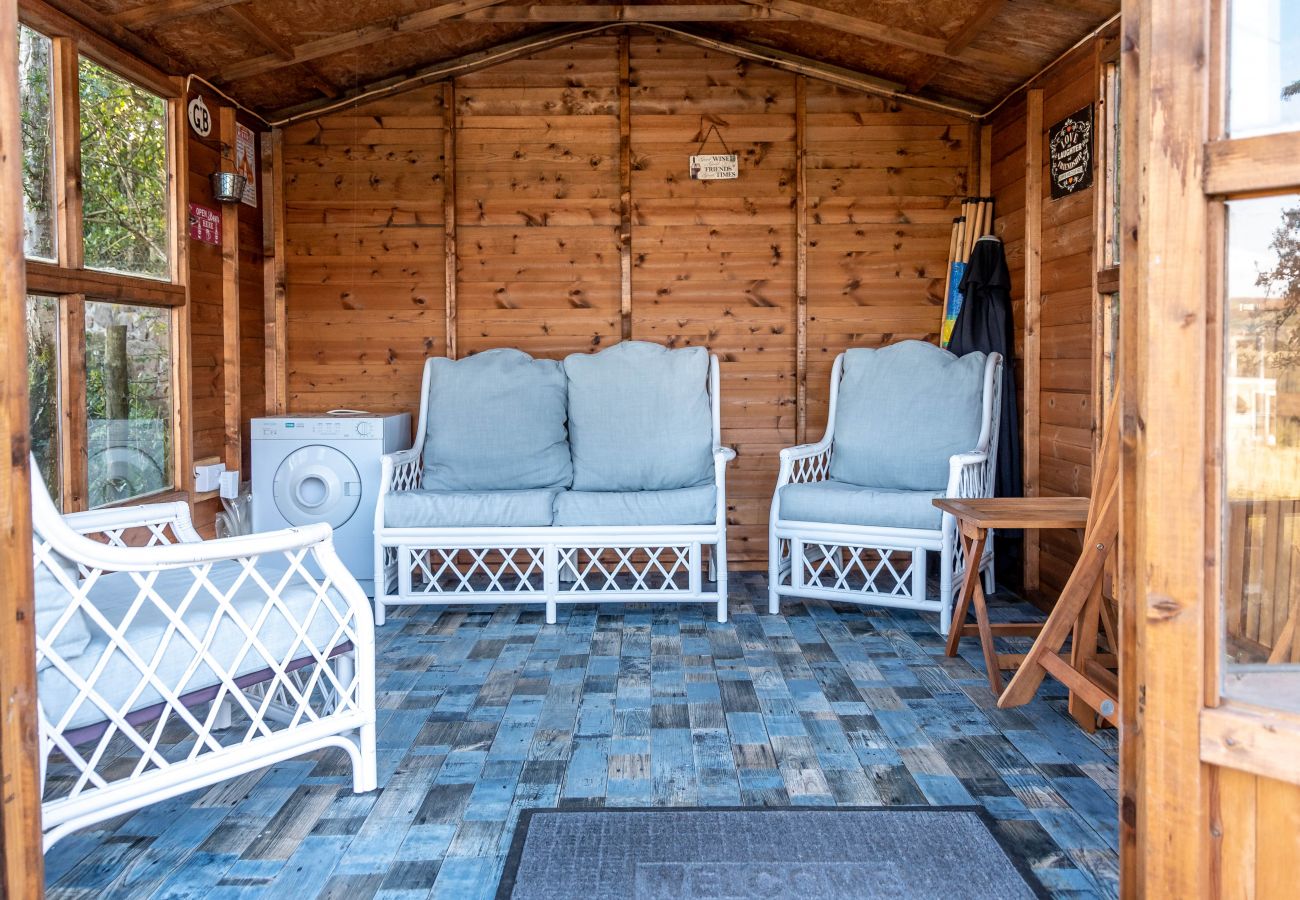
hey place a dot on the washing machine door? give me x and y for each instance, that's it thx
(317, 484)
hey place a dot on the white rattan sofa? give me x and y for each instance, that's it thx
(534, 481)
(852, 516)
(171, 666)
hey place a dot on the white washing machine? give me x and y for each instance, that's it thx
(324, 467)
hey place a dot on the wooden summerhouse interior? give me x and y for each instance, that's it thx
(443, 177)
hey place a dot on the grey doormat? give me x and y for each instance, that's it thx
(692, 853)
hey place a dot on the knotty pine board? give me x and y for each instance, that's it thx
(537, 204)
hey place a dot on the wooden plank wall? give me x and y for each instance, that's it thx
(363, 236)
(541, 206)
(714, 261)
(1059, 462)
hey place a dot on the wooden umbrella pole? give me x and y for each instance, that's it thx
(952, 255)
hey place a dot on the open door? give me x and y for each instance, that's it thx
(1211, 537)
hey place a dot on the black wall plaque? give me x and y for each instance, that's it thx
(1069, 153)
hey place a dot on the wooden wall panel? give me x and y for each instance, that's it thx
(713, 262)
(537, 202)
(884, 183)
(1258, 823)
(1066, 306)
(363, 260)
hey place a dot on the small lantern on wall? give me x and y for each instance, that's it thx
(228, 187)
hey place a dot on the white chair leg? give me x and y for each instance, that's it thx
(773, 574)
(990, 580)
(222, 718)
(945, 587)
(919, 585)
(551, 611)
(718, 563)
(379, 611)
(365, 778)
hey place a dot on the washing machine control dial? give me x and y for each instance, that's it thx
(364, 429)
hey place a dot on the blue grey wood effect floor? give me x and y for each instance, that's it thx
(484, 712)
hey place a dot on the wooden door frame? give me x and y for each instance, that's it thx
(23, 873)
(1165, 280)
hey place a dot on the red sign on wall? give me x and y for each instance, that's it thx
(205, 224)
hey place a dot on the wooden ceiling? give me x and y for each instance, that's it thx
(274, 55)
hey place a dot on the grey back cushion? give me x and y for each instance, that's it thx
(53, 597)
(495, 421)
(639, 418)
(903, 410)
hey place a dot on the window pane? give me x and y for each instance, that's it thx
(124, 174)
(128, 395)
(35, 76)
(43, 387)
(1264, 67)
(1262, 436)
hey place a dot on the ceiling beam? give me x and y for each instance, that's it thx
(76, 13)
(471, 62)
(780, 59)
(252, 22)
(894, 36)
(151, 15)
(974, 26)
(410, 23)
(626, 12)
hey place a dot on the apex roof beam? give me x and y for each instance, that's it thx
(626, 12)
(410, 23)
(974, 26)
(151, 15)
(889, 34)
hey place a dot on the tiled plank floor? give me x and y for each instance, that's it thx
(485, 712)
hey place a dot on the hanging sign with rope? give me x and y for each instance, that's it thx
(714, 166)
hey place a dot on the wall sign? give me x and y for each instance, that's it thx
(245, 163)
(1069, 149)
(205, 224)
(715, 167)
(199, 116)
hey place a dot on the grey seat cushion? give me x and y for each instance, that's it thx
(683, 506)
(468, 509)
(495, 421)
(903, 411)
(640, 418)
(148, 635)
(840, 503)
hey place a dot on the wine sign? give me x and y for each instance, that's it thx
(1069, 149)
(715, 167)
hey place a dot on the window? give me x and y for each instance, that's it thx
(1264, 67)
(1261, 433)
(43, 387)
(128, 402)
(102, 379)
(35, 79)
(123, 173)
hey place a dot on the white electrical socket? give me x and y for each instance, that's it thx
(230, 484)
(208, 478)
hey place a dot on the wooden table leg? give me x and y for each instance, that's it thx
(969, 579)
(991, 661)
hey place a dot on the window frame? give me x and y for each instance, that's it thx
(1244, 728)
(73, 285)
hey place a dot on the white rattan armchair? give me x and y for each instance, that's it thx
(878, 564)
(177, 663)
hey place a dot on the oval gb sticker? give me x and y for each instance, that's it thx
(200, 118)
